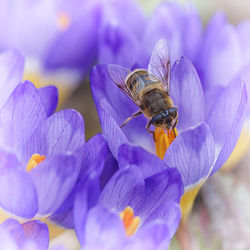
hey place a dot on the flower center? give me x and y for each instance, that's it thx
(35, 159)
(63, 20)
(163, 140)
(129, 221)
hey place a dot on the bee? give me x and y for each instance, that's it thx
(149, 89)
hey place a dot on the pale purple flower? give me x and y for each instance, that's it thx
(26, 129)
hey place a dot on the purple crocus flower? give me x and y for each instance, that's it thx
(64, 39)
(152, 198)
(205, 140)
(40, 155)
(29, 235)
(105, 230)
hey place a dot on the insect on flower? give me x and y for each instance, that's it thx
(149, 89)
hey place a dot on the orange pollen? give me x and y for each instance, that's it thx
(129, 221)
(163, 140)
(35, 159)
(63, 20)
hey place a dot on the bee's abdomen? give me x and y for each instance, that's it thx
(155, 100)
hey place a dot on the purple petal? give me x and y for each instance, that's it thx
(38, 232)
(18, 193)
(148, 163)
(61, 133)
(7, 241)
(49, 96)
(80, 210)
(114, 107)
(125, 188)
(154, 236)
(220, 44)
(174, 24)
(20, 116)
(192, 153)
(11, 73)
(245, 76)
(8, 160)
(187, 93)
(71, 47)
(165, 186)
(226, 119)
(54, 178)
(117, 44)
(15, 229)
(169, 213)
(242, 30)
(104, 229)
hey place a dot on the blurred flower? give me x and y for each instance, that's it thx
(29, 235)
(205, 141)
(59, 45)
(140, 198)
(40, 156)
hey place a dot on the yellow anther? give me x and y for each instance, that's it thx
(129, 221)
(63, 20)
(163, 140)
(35, 159)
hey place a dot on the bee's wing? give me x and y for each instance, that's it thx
(159, 64)
(119, 74)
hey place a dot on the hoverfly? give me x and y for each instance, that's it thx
(149, 89)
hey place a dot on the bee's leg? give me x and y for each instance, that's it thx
(148, 126)
(174, 127)
(137, 113)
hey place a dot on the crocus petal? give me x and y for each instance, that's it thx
(124, 189)
(174, 24)
(11, 72)
(15, 229)
(80, 210)
(18, 193)
(165, 186)
(8, 160)
(242, 30)
(54, 179)
(154, 236)
(187, 93)
(148, 163)
(104, 230)
(49, 96)
(226, 119)
(221, 47)
(61, 133)
(192, 153)
(169, 212)
(80, 43)
(20, 116)
(117, 44)
(38, 232)
(7, 242)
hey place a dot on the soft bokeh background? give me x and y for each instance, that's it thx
(221, 215)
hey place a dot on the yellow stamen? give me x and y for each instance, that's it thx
(63, 20)
(35, 159)
(163, 140)
(129, 221)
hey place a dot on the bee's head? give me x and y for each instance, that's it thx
(165, 118)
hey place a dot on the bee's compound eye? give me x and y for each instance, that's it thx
(156, 120)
